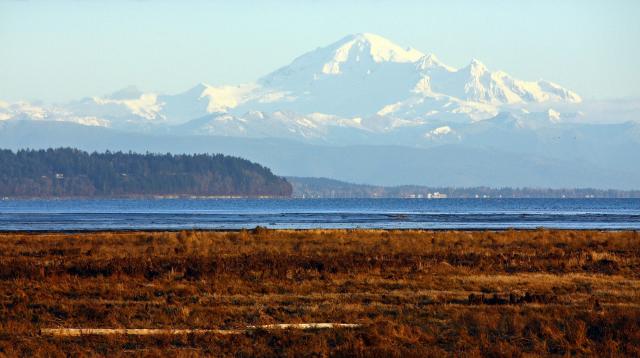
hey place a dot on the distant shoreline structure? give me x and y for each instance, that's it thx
(334, 189)
(321, 188)
(434, 195)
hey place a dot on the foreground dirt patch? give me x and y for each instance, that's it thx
(412, 293)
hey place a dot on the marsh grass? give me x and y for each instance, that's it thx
(414, 293)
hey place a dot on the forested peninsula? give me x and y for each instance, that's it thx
(66, 172)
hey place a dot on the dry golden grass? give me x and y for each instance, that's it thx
(413, 293)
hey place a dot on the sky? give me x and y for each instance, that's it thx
(63, 50)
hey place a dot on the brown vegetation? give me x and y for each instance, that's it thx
(414, 293)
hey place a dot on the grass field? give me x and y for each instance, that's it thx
(407, 293)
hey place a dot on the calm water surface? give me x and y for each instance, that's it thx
(54, 215)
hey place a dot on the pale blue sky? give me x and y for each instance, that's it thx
(62, 50)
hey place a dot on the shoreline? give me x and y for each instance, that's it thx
(149, 197)
(295, 197)
(312, 230)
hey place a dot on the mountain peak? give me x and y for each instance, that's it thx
(365, 36)
(378, 48)
(129, 92)
(430, 61)
(198, 89)
(476, 67)
(357, 53)
(476, 63)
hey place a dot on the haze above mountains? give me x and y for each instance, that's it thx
(366, 110)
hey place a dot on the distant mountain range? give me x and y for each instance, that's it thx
(367, 110)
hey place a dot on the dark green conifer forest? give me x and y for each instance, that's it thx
(66, 172)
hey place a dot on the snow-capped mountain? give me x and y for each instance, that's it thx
(362, 81)
(363, 75)
(363, 109)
